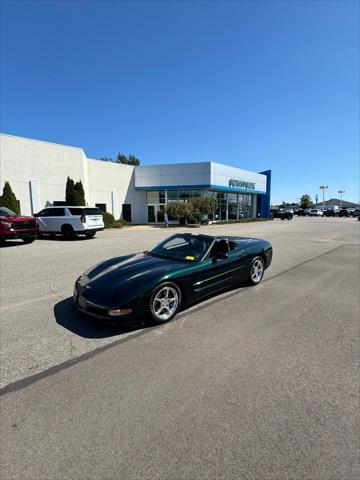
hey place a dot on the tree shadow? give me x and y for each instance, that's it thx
(68, 316)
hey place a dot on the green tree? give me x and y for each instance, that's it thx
(130, 160)
(305, 201)
(9, 200)
(133, 160)
(70, 193)
(79, 193)
(74, 193)
(183, 210)
(202, 206)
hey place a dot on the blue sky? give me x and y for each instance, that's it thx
(253, 84)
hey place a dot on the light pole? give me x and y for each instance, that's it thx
(341, 194)
(323, 188)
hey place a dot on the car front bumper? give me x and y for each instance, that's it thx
(19, 234)
(102, 312)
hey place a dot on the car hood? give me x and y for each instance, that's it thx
(120, 280)
(20, 218)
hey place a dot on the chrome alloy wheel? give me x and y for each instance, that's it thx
(165, 303)
(257, 270)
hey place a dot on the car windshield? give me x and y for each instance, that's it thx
(5, 212)
(187, 248)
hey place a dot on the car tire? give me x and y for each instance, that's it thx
(90, 234)
(164, 303)
(256, 271)
(29, 240)
(67, 232)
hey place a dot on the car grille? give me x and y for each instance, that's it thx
(24, 225)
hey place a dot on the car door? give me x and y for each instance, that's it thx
(218, 272)
(43, 218)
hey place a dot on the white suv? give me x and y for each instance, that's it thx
(316, 212)
(70, 221)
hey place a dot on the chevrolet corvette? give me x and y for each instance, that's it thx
(177, 272)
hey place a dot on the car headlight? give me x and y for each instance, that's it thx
(6, 224)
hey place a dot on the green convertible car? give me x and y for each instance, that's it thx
(177, 272)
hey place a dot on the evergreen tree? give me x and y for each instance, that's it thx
(80, 194)
(9, 200)
(70, 193)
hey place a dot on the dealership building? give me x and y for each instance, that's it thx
(37, 172)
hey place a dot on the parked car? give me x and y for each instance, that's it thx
(343, 212)
(13, 225)
(356, 212)
(316, 212)
(70, 221)
(301, 212)
(307, 211)
(281, 213)
(177, 272)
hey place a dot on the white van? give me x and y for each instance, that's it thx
(70, 221)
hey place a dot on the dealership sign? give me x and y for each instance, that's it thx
(241, 184)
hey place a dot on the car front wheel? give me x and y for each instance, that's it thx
(257, 269)
(164, 302)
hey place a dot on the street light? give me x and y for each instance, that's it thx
(341, 193)
(323, 188)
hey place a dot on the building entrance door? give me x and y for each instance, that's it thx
(156, 213)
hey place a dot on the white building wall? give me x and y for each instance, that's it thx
(175, 175)
(49, 164)
(108, 177)
(37, 172)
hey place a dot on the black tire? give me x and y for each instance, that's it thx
(29, 240)
(90, 234)
(67, 232)
(156, 316)
(252, 278)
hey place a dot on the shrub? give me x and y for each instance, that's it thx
(108, 219)
(9, 200)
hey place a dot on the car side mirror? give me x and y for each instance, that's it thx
(221, 256)
(35, 215)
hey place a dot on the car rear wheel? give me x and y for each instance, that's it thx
(67, 232)
(90, 234)
(29, 240)
(164, 302)
(257, 270)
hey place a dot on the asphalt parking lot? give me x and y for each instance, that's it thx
(254, 383)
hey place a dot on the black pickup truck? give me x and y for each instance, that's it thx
(281, 213)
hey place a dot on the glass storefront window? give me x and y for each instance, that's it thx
(232, 211)
(229, 205)
(232, 198)
(172, 195)
(196, 193)
(152, 197)
(184, 194)
(162, 196)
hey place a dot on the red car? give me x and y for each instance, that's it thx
(13, 225)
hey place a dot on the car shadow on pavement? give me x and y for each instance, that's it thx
(86, 326)
(61, 238)
(11, 243)
(67, 315)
